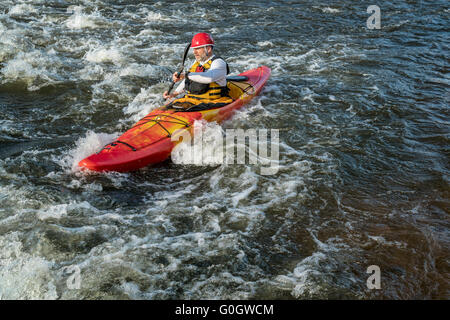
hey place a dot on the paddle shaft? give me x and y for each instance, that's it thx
(186, 50)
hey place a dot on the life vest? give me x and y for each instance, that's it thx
(205, 92)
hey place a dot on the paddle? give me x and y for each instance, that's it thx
(182, 67)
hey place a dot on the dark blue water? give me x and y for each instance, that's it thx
(364, 153)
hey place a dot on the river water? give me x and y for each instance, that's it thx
(364, 153)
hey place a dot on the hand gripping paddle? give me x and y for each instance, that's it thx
(182, 66)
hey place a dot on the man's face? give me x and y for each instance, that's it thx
(201, 53)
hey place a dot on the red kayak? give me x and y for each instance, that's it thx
(149, 141)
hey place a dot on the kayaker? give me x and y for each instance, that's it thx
(205, 83)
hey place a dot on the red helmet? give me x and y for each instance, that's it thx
(202, 39)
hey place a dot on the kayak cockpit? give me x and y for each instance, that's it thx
(237, 87)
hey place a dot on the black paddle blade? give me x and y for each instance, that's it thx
(186, 50)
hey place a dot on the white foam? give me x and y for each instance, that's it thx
(141, 70)
(21, 9)
(56, 212)
(91, 143)
(92, 72)
(265, 44)
(21, 67)
(36, 68)
(249, 115)
(155, 16)
(301, 280)
(316, 65)
(23, 276)
(243, 194)
(7, 126)
(152, 33)
(246, 62)
(104, 55)
(381, 240)
(14, 194)
(330, 10)
(145, 101)
(131, 290)
(74, 184)
(61, 210)
(285, 189)
(272, 89)
(79, 20)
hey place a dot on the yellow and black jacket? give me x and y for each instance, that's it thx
(203, 95)
(204, 91)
